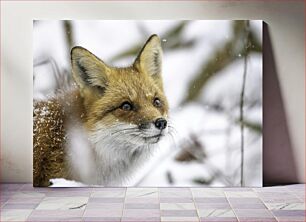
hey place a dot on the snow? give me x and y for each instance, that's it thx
(217, 131)
(61, 182)
(227, 91)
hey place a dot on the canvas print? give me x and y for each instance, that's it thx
(147, 103)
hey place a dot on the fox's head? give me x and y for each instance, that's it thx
(126, 104)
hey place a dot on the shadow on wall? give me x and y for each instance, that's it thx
(278, 161)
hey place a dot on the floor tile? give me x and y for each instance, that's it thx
(178, 213)
(176, 200)
(236, 205)
(3, 200)
(253, 219)
(109, 189)
(14, 214)
(56, 214)
(69, 189)
(238, 189)
(24, 194)
(141, 213)
(53, 219)
(281, 200)
(142, 200)
(244, 200)
(110, 206)
(62, 203)
(105, 200)
(27, 187)
(285, 206)
(209, 192)
(103, 213)
(289, 213)
(175, 189)
(277, 189)
(291, 219)
(174, 192)
(216, 213)
(255, 213)
(296, 186)
(19, 206)
(141, 206)
(177, 206)
(142, 192)
(272, 197)
(68, 194)
(140, 219)
(25, 200)
(240, 194)
(10, 186)
(218, 219)
(107, 193)
(102, 219)
(213, 205)
(300, 195)
(179, 219)
(210, 200)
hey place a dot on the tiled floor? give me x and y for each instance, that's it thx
(22, 202)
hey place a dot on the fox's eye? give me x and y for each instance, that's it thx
(157, 102)
(126, 106)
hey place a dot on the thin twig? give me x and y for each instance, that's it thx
(247, 27)
(228, 147)
(68, 29)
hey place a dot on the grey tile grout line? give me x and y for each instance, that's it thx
(19, 189)
(158, 196)
(230, 205)
(294, 194)
(123, 206)
(5, 202)
(30, 213)
(91, 191)
(195, 206)
(265, 205)
(36, 206)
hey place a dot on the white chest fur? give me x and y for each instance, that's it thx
(99, 159)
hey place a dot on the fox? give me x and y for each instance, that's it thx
(101, 130)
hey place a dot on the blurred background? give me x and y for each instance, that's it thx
(212, 74)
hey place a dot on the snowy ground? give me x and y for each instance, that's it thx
(218, 132)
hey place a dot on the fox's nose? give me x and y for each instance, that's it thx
(160, 123)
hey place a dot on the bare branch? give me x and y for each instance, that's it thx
(247, 30)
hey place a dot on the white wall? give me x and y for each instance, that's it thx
(286, 24)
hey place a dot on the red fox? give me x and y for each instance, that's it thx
(106, 125)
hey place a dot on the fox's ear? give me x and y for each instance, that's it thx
(88, 70)
(149, 60)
